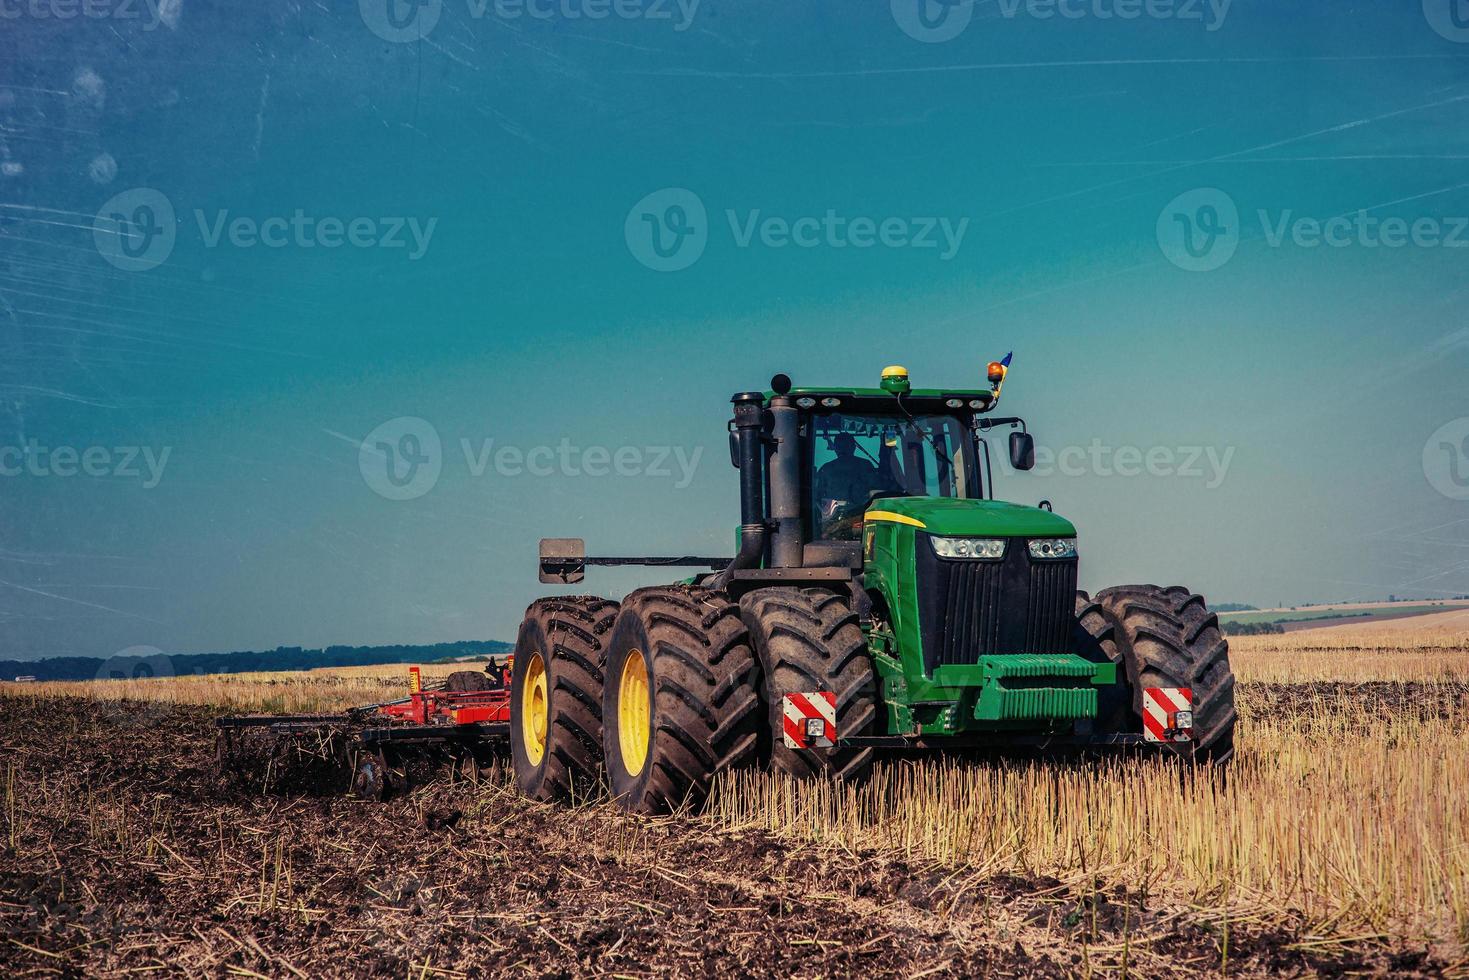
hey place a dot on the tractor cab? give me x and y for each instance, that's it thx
(860, 447)
(857, 457)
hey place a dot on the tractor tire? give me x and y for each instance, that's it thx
(466, 681)
(682, 699)
(1095, 633)
(556, 697)
(810, 640)
(1169, 638)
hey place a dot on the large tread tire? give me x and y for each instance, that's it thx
(1096, 633)
(703, 696)
(570, 634)
(810, 640)
(1169, 638)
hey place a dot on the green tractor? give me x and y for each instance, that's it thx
(879, 600)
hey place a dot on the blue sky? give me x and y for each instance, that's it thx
(1228, 239)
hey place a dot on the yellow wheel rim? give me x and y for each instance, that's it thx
(633, 733)
(535, 710)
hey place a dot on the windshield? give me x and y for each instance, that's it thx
(856, 459)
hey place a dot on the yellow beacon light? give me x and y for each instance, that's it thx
(996, 373)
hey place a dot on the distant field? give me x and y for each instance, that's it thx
(296, 691)
(1453, 622)
(1330, 612)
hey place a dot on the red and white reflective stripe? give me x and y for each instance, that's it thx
(1160, 713)
(799, 709)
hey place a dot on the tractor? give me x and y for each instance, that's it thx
(879, 601)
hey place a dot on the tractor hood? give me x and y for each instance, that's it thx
(951, 516)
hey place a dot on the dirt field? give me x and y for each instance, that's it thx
(123, 854)
(1337, 845)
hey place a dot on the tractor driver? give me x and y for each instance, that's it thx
(843, 487)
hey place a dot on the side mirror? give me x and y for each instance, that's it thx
(1022, 451)
(563, 560)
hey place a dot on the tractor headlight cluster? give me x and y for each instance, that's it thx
(985, 548)
(1053, 548)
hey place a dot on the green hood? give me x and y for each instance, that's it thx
(972, 518)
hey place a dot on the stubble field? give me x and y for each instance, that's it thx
(1338, 843)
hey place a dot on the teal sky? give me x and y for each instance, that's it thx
(1329, 379)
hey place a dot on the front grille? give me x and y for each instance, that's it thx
(970, 609)
(1052, 606)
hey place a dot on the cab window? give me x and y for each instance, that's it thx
(856, 459)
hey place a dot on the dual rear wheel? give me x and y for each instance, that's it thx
(655, 699)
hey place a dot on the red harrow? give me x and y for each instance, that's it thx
(464, 721)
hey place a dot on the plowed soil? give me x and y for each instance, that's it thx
(124, 851)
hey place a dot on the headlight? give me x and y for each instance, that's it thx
(1053, 548)
(986, 548)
